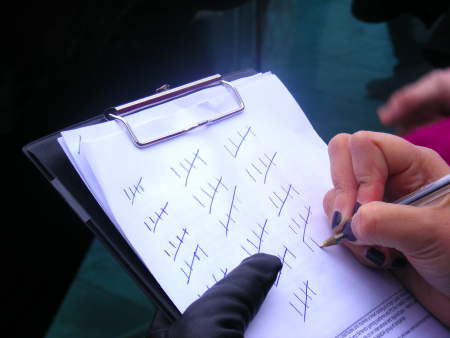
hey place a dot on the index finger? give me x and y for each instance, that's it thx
(343, 180)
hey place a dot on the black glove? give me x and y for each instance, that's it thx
(226, 309)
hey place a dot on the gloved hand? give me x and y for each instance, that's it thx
(226, 309)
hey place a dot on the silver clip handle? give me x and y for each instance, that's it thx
(216, 80)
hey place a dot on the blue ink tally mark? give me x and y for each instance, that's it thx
(268, 166)
(260, 168)
(284, 200)
(223, 274)
(154, 220)
(209, 192)
(226, 225)
(198, 201)
(236, 145)
(251, 176)
(286, 254)
(212, 191)
(278, 199)
(185, 167)
(303, 297)
(299, 226)
(176, 245)
(191, 165)
(198, 252)
(218, 276)
(305, 224)
(257, 241)
(133, 191)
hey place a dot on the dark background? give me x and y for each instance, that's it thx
(64, 63)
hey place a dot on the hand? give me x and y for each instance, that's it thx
(225, 310)
(368, 168)
(419, 104)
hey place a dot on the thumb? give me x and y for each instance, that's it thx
(408, 229)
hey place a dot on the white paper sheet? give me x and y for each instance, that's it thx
(192, 208)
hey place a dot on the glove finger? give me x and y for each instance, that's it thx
(226, 309)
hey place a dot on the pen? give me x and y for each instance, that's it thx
(423, 196)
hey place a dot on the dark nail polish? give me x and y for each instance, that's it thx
(375, 256)
(336, 219)
(399, 263)
(356, 207)
(348, 231)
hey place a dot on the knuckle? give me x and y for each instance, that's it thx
(428, 155)
(328, 201)
(361, 135)
(434, 226)
(367, 221)
(338, 142)
(439, 212)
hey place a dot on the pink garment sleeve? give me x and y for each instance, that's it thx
(435, 136)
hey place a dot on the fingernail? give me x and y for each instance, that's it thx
(399, 263)
(348, 231)
(336, 219)
(375, 256)
(356, 207)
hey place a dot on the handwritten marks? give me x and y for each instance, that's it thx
(255, 241)
(235, 142)
(228, 215)
(185, 167)
(301, 300)
(208, 193)
(197, 255)
(153, 220)
(258, 169)
(133, 191)
(220, 198)
(175, 245)
(285, 257)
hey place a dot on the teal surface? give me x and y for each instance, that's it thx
(103, 301)
(339, 70)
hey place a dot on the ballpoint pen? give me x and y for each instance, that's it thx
(426, 195)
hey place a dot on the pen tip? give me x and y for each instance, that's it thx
(330, 241)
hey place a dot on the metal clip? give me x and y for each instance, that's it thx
(118, 113)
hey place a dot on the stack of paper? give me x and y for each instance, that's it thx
(194, 207)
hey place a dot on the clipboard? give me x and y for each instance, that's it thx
(49, 158)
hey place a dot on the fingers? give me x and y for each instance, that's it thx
(408, 229)
(368, 166)
(419, 165)
(343, 180)
(328, 202)
(377, 256)
(431, 93)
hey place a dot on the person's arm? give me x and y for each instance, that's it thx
(371, 169)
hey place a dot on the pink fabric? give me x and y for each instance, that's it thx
(435, 136)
